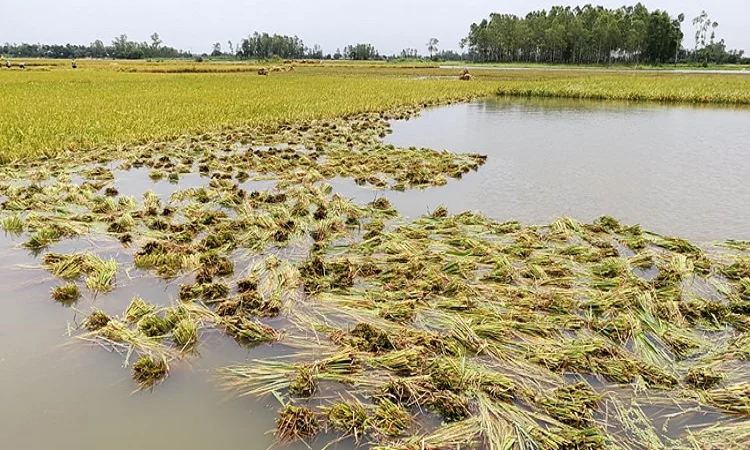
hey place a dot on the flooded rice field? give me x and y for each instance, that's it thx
(581, 333)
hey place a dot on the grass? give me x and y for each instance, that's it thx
(48, 112)
(96, 321)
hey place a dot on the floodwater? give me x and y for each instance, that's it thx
(676, 170)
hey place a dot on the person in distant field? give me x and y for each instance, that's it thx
(75, 64)
(7, 63)
(22, 66)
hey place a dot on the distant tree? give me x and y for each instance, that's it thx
(155, 41)
(409, 53)
(315, 53)
(231, 47)
(705, 48)
(680, 20)
(703, 24)
(361, 52)
(337, 55)
(97, 49)
(432, 46)
(449, 55)
(120, 43)
(216, 49)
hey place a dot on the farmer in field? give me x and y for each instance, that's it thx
(22, 65)
(75, 64)
(7, 64)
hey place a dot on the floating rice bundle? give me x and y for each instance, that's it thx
(299, 379)
(137, 309)
(153, 325)
(147, 372)
(100, 274)
(250, 332)
(350, 418)
(185, 333)
(391, 419)
(141, 332)
(66, 294)
(296, 422)
(734, 398)
(12, 224)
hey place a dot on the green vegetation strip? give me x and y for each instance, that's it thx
(661, 87)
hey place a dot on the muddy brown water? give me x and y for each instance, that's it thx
(675, 170)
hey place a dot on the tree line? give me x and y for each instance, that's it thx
(592, 35)
(574, 35)
(120, 48)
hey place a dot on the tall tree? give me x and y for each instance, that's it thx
(432, 46)
(155, 41)
(704, 24)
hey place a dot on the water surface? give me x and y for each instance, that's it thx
(678, 170)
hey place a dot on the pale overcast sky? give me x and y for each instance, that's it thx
(390, 25)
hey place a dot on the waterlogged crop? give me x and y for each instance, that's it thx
(446, 331)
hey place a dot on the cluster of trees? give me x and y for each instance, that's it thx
(265, 46)
(708, 49)
(121, 48)
(433, 51)
(588, 34)
(360, 52)
(437, 55)
(594, 34)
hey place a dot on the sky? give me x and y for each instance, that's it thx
(390, 25)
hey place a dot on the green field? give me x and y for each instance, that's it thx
(50, 108)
